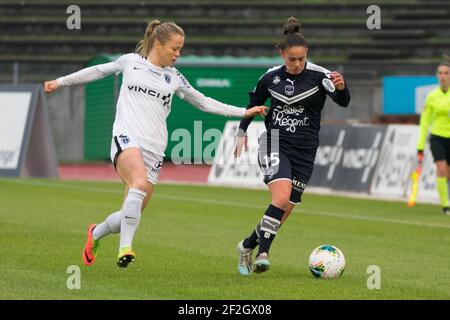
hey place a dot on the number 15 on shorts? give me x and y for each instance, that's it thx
(271, 161)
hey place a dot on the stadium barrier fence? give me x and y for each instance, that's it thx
(364, 159)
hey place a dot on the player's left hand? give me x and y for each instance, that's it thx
(338, 80)
(261, 110)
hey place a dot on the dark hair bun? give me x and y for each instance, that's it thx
(292, 26)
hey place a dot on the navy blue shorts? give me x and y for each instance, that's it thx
(280, 165)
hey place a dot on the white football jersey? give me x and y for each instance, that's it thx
(146, 96)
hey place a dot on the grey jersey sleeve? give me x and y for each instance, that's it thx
(186, 92)
(93, 73)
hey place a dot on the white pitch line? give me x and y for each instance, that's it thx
(241, 205)
(309, 212)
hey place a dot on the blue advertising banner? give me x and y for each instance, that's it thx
(406, 95)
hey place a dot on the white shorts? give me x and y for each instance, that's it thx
(152, 162)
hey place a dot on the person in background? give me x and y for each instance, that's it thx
(437, 115)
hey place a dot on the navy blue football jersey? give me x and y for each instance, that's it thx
(296, 103)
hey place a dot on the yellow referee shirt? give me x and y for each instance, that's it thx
(436, 113)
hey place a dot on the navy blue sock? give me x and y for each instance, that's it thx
(252, 241)
(270, 224)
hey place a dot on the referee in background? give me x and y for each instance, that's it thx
(437, 115)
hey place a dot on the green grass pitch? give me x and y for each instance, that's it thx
(186, 244)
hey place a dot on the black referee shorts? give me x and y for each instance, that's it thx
(440, 148)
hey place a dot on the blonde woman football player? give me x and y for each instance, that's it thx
(139, 135)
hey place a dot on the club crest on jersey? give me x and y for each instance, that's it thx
(167, 78)
(328, 85)
(276, 80)
(289, 90)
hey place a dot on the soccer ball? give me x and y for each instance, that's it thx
(326, 261)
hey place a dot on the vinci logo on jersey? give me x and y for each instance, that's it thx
(152, 93)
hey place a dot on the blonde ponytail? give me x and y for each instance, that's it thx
(157, 31)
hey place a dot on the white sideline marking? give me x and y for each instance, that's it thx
(240, 204)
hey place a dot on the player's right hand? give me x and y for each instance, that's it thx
(420, 155)
(241, 142)
(51, 86)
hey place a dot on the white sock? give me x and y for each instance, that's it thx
(110, 225)
(131, 216)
